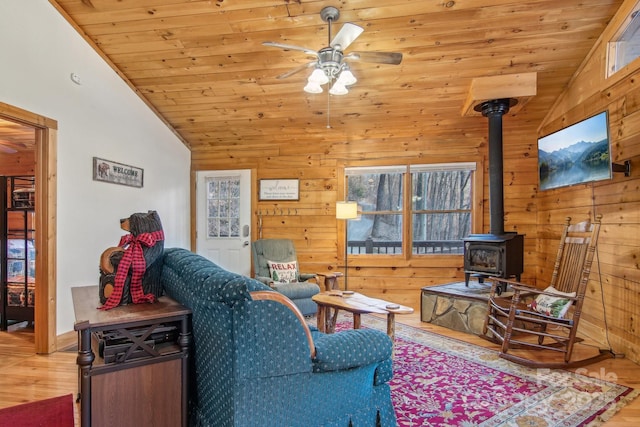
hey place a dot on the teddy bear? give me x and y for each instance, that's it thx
(130, 272)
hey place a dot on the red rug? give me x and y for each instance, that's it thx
(54, 412)
(439, 381)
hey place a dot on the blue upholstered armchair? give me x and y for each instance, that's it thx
(300, 290)
(257, 363)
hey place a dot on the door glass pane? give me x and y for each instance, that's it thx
(223, 207)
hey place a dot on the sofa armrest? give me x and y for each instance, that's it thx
(266, 280)
(384, 372)
(350, 349)
(274, 296)
(297, 290)
(303, 277)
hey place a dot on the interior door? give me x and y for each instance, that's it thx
(223, 218)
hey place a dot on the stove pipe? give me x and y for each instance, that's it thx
(494, 110)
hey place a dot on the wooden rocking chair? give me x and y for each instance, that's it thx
(546, 319)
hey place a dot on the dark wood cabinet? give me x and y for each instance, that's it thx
(132, 362)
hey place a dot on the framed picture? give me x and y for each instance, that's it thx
(279, 189)
(117, 173)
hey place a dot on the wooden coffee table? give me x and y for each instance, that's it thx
(356, 304)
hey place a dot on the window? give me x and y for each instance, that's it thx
(414, 209)
(441, 209)
(379, 193)
(625, 47)
(223, 207)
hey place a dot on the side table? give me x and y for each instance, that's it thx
(330, 280)
(132, 362)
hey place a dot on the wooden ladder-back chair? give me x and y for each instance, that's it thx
(537, 319)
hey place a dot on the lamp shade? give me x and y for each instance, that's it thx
(346, 210)
(338, 89)
(313, 88)
(318, 76)
(347, 78)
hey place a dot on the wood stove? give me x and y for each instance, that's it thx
(499, 253)
(490, 255)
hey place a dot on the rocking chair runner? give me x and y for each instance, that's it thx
(537, 319)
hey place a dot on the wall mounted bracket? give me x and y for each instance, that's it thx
(626, 167)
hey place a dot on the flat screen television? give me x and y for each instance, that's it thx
(576, 154)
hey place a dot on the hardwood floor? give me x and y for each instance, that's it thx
(26, 377)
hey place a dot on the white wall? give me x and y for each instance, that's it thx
(102, 117)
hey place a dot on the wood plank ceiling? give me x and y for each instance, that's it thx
(202, 66)
(16, 137)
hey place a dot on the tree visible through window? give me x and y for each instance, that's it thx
(441, 210)
(379, 196)
(438, 212)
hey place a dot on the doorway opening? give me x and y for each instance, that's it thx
(44, 133)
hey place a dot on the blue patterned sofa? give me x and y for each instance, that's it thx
(256, 363)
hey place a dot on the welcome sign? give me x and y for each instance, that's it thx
(279, 189)
(117, 173)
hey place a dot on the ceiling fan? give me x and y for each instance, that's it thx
(330, 63)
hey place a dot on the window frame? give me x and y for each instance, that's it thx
(407, 258)
(613, 45)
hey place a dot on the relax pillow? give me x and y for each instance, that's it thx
(283, 272)
(554, 306)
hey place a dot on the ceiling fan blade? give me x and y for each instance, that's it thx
(297, 70)
(347, 34)
(393, 58)
(291, 47)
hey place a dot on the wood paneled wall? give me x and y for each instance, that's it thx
(612, 308)
(319, 237)
(21, 163)
(613, 304)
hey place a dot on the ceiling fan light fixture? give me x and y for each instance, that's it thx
(313, 87)
(318, 77)
(330, 62)
(346, 77)
(338, 89)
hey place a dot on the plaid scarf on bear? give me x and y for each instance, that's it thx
(133, 259)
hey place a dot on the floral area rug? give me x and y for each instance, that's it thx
(440, 381)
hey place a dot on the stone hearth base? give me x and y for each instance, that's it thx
(456, 306)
